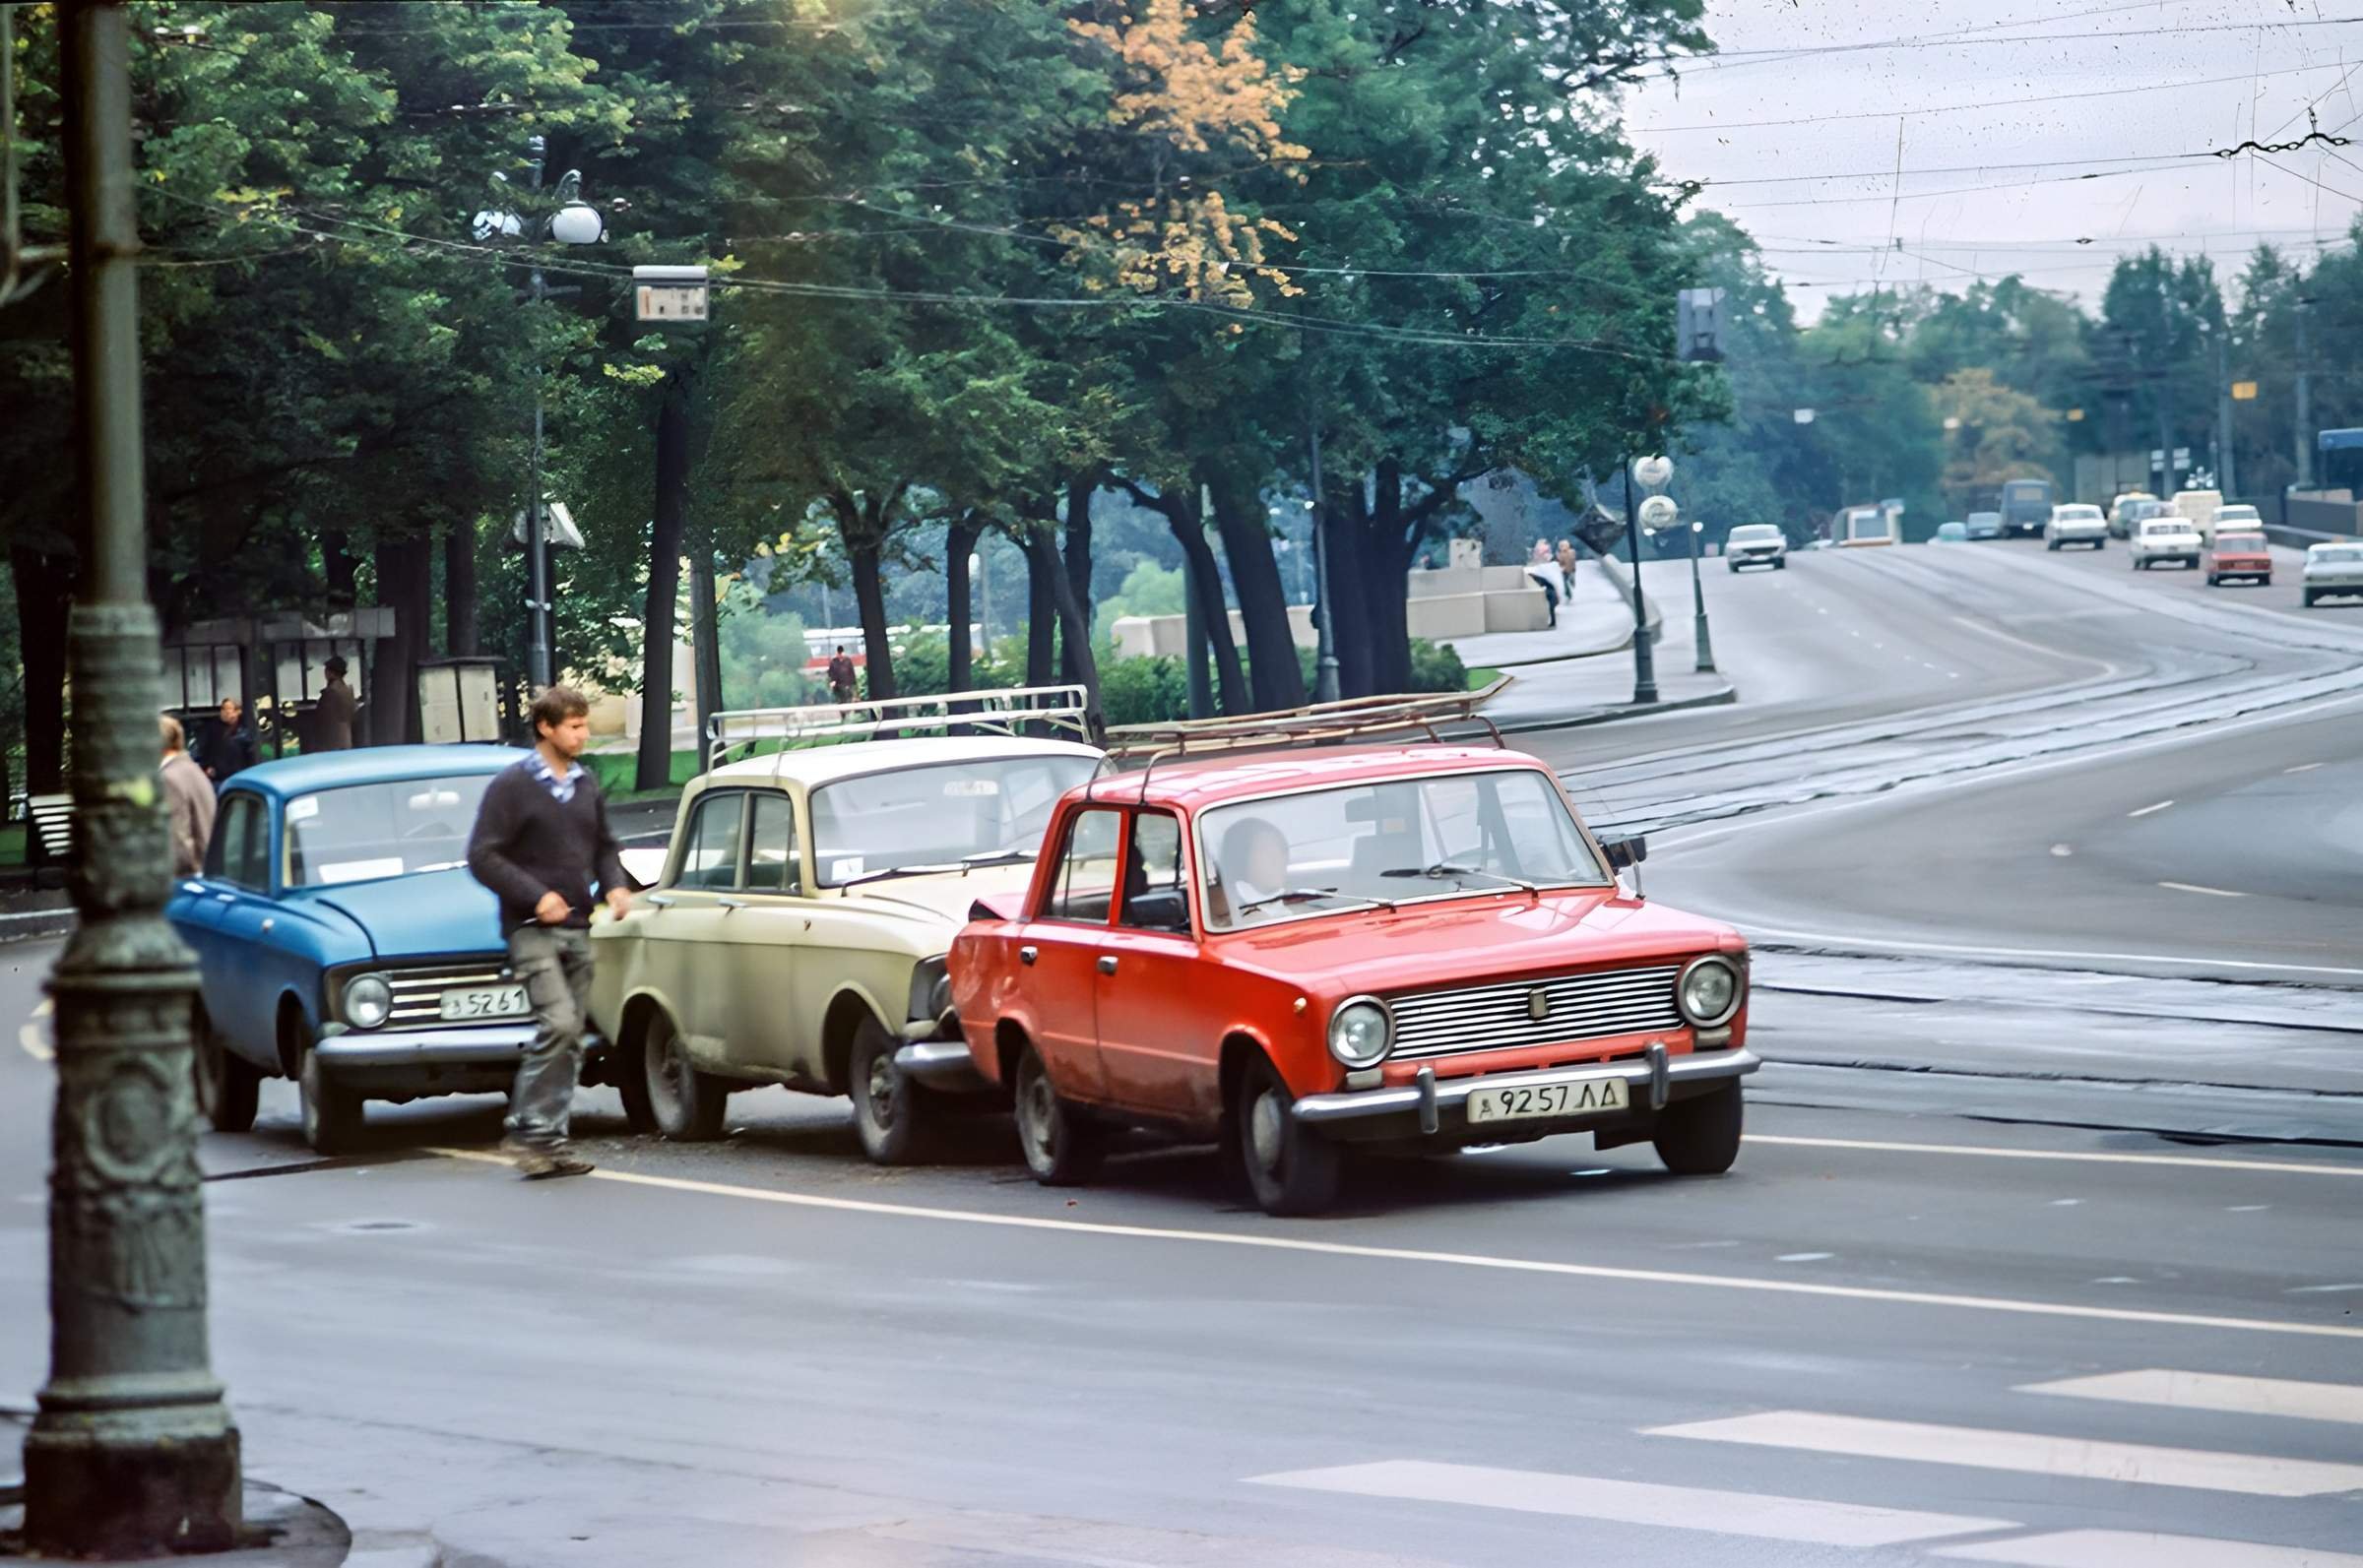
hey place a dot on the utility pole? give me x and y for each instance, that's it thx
(2226, 479)
(539, 656)
(133, 1453)
(1325, 679)
(2304, 403)
(1644, 658)
(1195, 636)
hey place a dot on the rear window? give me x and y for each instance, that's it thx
(2167, 526)
(2240, 543)
(2078, 514)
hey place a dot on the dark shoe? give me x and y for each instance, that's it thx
(543, 1163)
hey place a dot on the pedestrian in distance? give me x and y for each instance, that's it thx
(227, 747)
(1567, 571)
(333, 714)
(188, 799)
(1542, 568)
(542, 845)
(841, 677)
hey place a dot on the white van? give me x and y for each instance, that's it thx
(2199, 506)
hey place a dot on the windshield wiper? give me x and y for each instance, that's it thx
(902, 871)
(1444, 868)
(996, 856)
(1304, 895)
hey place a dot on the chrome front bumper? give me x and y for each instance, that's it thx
(389, 1050)
(1430, 1104)
(941, 1064)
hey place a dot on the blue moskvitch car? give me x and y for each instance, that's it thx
(341, 942)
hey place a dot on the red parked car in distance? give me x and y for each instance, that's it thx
(1405, 947)
(2233, 555)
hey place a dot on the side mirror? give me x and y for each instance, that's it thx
(1625, 851)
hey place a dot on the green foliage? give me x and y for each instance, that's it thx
(1148, 590)
(1437, 666)
(763, 655)
(1142, 691)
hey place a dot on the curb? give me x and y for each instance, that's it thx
(33, 924)
(1601, 716)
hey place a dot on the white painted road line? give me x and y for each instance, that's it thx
(2303, 767)
(2088, 1157)
(2216, 1391)
(1464, 1260)
(2027, 1453)
(2132, 1549)
(2193, 887)
(34, 1033)
(1855, 942)
(1795, 1519)
(2147, 810)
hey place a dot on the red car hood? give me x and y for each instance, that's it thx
(1468, 941)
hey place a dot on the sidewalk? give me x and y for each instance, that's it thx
(1580, 672)
(1596, 619)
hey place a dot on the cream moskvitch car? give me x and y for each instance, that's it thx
(812, 891)
(2334, 568)
(2073, 523)
(2167, 538)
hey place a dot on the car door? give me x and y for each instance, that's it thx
(763, 932)
(1065, 945)
(684, 959)
(236, 879)
(1151, 1058)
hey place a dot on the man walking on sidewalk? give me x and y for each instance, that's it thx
(188, 799)
(542, 843)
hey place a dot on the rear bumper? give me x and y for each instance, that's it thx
(1433, 1108)
(941, 1064)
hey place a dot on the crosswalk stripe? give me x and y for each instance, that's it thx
(1768, 1518)
(2130, 1549)
(2032, 1453)
(2215, 1391)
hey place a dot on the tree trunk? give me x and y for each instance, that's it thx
(1231, 683)
(1042, 604)
(1076, 655)
(394, 676)
(655, 767)
(1386, 591)
(459, 590)
(1349, 613)
(959, 542)
(338, 568)
(704, 636)
(44, 589)
(869, 593)
(1278, 679)
(1074, 629)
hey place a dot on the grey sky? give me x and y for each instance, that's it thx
(2114, 85)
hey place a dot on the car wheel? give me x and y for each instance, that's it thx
(1781, 565)
(2052, 545)
(1290, 1169)
(685, 1104)
(1700, 1136)
(332, 1113)
(629, 1070)
(228, 1087)
(894, 1113)
(1063, 1148)
(2309, 600)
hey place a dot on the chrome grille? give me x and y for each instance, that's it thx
(1488, 1018)
(419, 993)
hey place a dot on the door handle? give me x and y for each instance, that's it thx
(731, 903)
(1027, 955)
(1106, 964)
(657, 901)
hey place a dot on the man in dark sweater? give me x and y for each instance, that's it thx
(542, 843)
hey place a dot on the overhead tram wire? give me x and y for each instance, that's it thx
(1733, 60)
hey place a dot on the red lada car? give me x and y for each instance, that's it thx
(1410, 946)
(2239, 555)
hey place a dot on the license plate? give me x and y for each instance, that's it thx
(1579, 1097)
(484, 1001)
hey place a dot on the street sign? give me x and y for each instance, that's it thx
(2244, 392)
(1803, 415)
(2182, 456)
(1698, 321)
(669, 293)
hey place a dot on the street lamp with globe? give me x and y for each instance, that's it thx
(1659, 512)
(1652, 473)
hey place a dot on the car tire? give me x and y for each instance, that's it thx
(332, 1113)
(2052, 545)
(1290, 1169)
(1063, 1146)
(629, 1070)
(1781, 565)
(894, 1114)
(1700, 1136)
(2308, 599)
(228, 1087)
(685, 1104)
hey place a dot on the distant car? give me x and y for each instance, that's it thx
(1985, 524)
(2127, 510)
(2238, 518)
(1952, 533)
(341, 942)
(2235, 554)
(2075, 522)
(2332, 570)
(2166, 537)
(1756, 544)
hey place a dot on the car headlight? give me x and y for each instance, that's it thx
(369, 1001)
(1710, 990)
(1360, 1031)
(930, 988)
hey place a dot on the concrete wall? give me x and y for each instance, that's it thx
(1444, 603)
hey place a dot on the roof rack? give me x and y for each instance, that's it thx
(1316, 724)
(985, 713)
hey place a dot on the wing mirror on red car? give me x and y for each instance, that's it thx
(1625, 851)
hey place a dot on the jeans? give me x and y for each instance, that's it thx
(554, 964)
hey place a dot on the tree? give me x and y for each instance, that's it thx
(1993, 434)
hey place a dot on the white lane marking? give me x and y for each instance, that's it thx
(1461, 1260)
(33, 1037)
(1765, 1518)
(2036, 647)
(2147, 810)
(2193, 887)
(2215, 1391)
(2119, 1548)
(1882, 944)
(2027, 1453)
(1803, 1257)
(2303, 767)
(2324, 1289)
(2085, 1157)
(2062, 851)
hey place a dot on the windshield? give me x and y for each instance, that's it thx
(939, 816)
(2172, 525)
(2240, 544)
(1977, 518)
(1951, 531)
(2238, 514)
(1866, 524)
(2078, 514)
(365, 831)
(1389, 843)
(2350, 556)
(1754, 534)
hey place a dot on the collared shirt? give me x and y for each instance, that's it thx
(559, 785)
